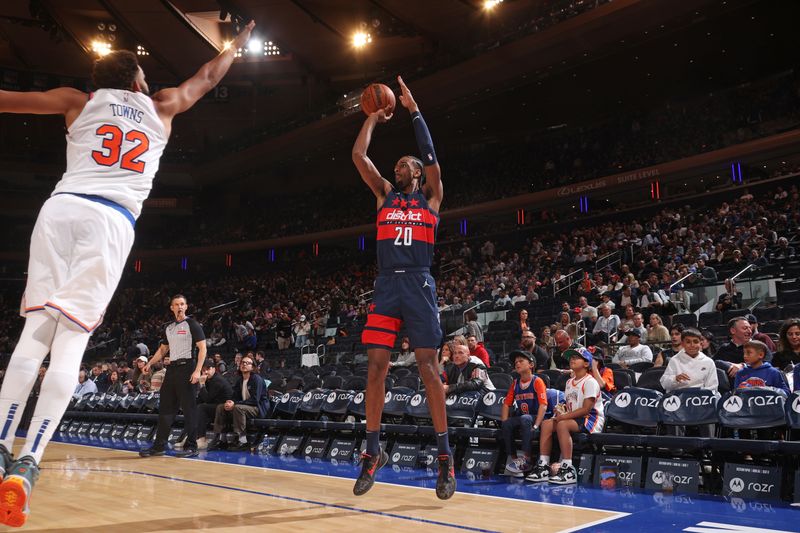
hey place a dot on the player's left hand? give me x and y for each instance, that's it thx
(406, 97)
(195, 377)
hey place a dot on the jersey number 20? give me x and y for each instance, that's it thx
(404, 236)
(112, 147)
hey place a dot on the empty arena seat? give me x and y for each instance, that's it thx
(765, 314)
(622, 379)
(462, 408)
(417, 407)
(358, 406)
(723, 382)
(356, 383)
(287, 406)
(636, 407)
(337, 402)
(752, 408)
(490, 405)
(400, 372)
(394, 404)
(412, 382)
(688, 407)
(651, 379)
(789, 297)
(687, 319)
(312, 401)
(711, 318)
(332, 382)
(502, 381)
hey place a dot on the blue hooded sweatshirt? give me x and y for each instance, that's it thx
(764, 376)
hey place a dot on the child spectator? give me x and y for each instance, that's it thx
(757, 372)
(690, 367)
(583, 413)
(528, 398)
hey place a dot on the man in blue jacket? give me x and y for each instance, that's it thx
(757, 372)
(250, 400)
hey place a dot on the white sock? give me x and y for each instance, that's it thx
(59, 383)
(243, 439)
(544, 460)
(32, 348)
(567, 462)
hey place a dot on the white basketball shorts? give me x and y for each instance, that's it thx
(78, 251)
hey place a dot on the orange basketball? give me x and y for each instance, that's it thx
(377, 96)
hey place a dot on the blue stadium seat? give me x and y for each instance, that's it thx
(636, 407)
(394, 405)
(689, 407)
(462, 408)
(753, 408)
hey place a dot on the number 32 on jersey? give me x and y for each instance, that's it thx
(111, 154)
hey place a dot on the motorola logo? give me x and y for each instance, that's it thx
(331, 397)
(736, 484)
(490, 398)
(416, 400)
(658, 477)
(470, 463)
(796, 405)
(359, 398)
(623, 400)
(450, 400)
(334, 452)
(388, 397)
(733, 405)
(285, 398)
(395, 457)
(672, 404)
(309, 449)
(308, 397)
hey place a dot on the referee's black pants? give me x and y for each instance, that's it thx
(177, 390)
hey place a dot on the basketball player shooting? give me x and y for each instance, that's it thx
(82, 238)
(408, 216)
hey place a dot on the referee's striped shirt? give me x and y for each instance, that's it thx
(182, 338)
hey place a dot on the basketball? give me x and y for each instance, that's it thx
(377, 96)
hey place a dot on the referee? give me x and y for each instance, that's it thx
(185, 339)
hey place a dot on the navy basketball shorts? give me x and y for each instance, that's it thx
(400, 297)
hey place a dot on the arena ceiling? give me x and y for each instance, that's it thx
(478, 71)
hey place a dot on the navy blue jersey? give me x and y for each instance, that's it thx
(406, 231)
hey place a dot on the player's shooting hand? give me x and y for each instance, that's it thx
(241, 40)
(381, 115)
(406, 98)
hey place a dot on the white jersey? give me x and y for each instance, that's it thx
(113, 149)
(576, 392)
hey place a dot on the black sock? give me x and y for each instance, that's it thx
(443, 441)
(373, 443)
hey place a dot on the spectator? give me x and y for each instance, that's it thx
(663, 356)
(213, 391)
(546, 340)
(518, 297)
(406, 356)
(465, 373)
(85, 386)
(761, 337)
(583, 413)
(283, 332)
(222, 366)
(114, 384)
(522, 325)
(730, 356)
(563, 343)
(527, 396)
(690, 367)
(788, 345)
(588, 313)
(606, 325)
(302, 330)
(159, 372)
(730, 299)
(757, 372)
(250, 400)
(649, 300)
(707, 344)
(141, 375)
(638, 323)
(478, 350)
(231, 375)
(634, 352)
(503, 300)
(473, 327)
(603, 375)
(656, 331)
(528, 344)
(100, 378)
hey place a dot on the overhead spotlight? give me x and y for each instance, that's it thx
(254, 45)
(101, 48)
(101, 26)
(489, 5)
(226, 45)
(141, 51)
(112, 27)
(361, 39)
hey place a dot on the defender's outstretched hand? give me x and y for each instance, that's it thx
(244, 36)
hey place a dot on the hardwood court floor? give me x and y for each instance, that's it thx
(92, 490)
